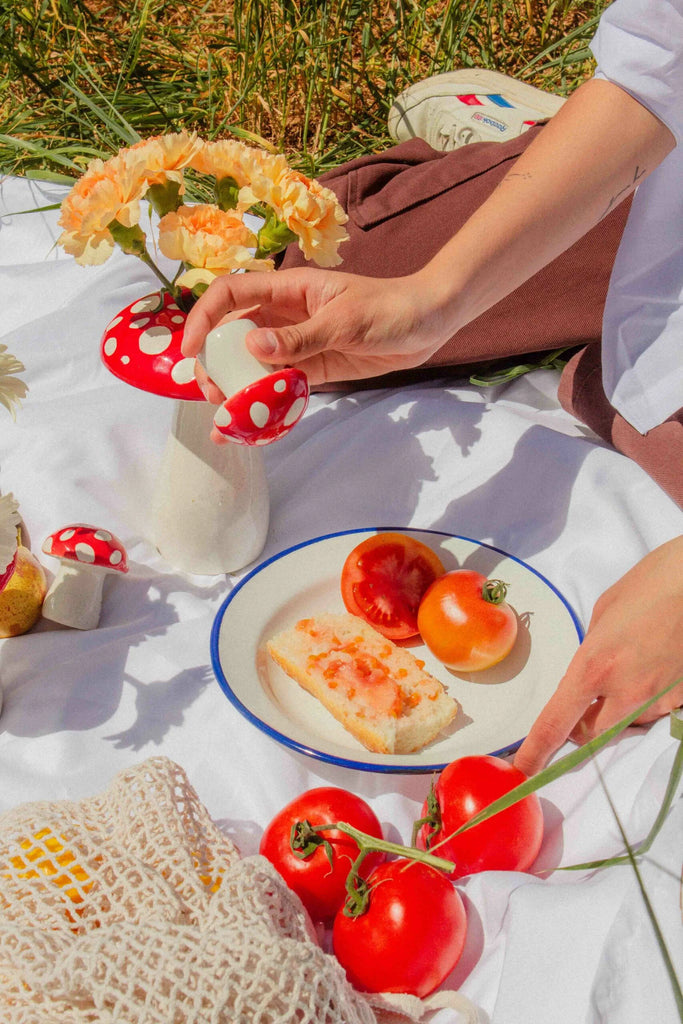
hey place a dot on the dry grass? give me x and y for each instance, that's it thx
(312, 78)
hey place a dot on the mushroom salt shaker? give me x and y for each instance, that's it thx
(211, 503)
(87, 555)
(262, 405)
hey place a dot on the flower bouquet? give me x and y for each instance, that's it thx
(211, 504)
(207, 239)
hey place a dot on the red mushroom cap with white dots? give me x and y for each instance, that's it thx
(87, 546)
(141, 346)
(266, 410)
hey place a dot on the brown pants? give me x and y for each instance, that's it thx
(406, 203)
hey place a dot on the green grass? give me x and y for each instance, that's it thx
(311, 78)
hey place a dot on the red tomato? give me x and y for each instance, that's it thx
(410, 937)
(509, 841)
(461, 626)
(383, 581)
(319, 884)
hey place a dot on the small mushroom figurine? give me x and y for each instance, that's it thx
(86, 554)
(211, 505)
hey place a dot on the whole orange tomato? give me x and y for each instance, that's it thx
(466, 622)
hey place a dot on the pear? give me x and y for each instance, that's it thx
(21, 594)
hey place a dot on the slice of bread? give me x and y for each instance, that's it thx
(378, 691)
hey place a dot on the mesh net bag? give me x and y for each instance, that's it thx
(133, 907)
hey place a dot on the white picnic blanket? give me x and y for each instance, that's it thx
(506, 466)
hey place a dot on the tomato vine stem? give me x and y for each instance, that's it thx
(369, 844)
(305, 839)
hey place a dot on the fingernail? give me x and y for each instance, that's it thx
(267, 342)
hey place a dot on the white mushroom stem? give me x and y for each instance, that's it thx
(228, 361)
(75, 597)
(211, 505)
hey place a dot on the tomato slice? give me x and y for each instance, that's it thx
(383, 581)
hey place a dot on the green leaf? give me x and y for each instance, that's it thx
(357, 896)
(227, 191)
(36, 209)
(37, 150)
(552, 361)
(45, 175)
(432, 819)
(676, 723)
(274, 236)
(165, 198)
(132, 240)
(304, 841)
(105, 111)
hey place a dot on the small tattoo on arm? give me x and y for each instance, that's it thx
(517, 174)
(618, 196)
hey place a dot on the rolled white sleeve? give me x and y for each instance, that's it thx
(639, 47)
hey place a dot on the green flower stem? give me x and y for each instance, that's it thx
(168, 285)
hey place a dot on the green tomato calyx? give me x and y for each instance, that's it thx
(494, 591)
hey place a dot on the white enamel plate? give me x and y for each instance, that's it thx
(499, 705)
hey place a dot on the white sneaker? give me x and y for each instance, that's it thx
(473, 105)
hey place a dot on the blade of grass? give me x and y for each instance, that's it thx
(559, 768)
(661, 942)
(132, 54)
(105, 111)
(54, 176)
(38, 150)
(581, 32)
(669, 794)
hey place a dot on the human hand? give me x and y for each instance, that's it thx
(632, 650)
(333, 326)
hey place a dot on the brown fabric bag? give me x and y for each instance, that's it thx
(403, 206)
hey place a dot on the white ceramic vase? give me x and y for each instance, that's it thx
(211, 505)
(210, 509)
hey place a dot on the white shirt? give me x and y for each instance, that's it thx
(639, 47)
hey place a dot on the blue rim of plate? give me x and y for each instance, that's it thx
(390, 768)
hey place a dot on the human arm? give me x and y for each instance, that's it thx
(633, 649)
(337, 326)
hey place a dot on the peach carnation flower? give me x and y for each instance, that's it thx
(108, 190)
(162, 156)
(311, 211)
(210, 239)
(228, 158)
(111, 190)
